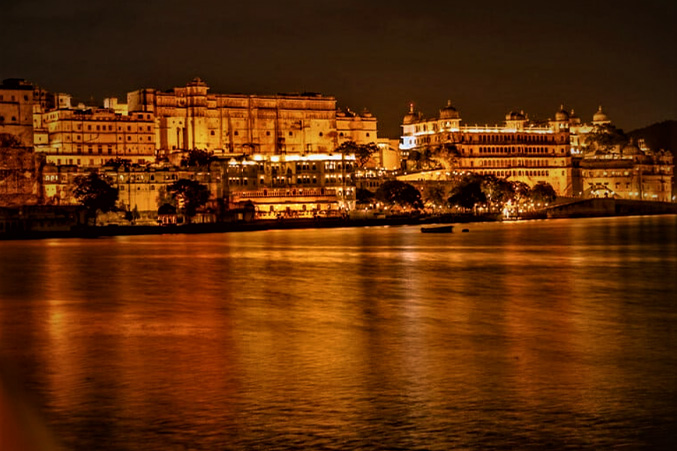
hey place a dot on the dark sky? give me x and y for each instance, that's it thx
(488, 57)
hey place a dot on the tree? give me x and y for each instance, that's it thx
(467, 193)
(399, 193)
(197, 157)
(95, 193)
(118, 162)
(363, 196)
(605, 137)
(362, 152)
(498, 190)
(522, 191)
(424, 159)
(446, 155)
(190, 195)
(543, 192)
(434, 193)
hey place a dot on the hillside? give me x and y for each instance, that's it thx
(662, 135)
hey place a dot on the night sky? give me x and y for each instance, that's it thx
(488, 57)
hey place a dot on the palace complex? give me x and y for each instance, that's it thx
(563, 152)
(278, 152)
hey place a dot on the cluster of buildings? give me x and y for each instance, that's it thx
(562, 152)
(279, 152)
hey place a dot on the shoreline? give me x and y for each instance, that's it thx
(228, 227)
(28, 226)
(289, 224)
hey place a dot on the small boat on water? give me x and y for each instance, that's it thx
(437, 229)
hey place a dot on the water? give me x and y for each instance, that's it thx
(533, 335)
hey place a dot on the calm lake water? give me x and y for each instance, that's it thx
(529, 335)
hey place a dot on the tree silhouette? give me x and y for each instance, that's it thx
(543, 192)
(190, 195)
(95, 193)
(399, 193)
(362, 152)
(467, 193)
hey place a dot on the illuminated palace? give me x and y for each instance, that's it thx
(165, 124)
(276, 151)
(277, 185)
(556, 152)
(520, 150)
(192, 118)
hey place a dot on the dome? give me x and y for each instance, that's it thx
(600, 116)
(631, 149)
(411, 116)
(515, 116)
(449, 112)
(561, 115)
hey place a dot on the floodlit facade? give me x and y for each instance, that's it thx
(557, 153)
(624, 171)
(292, 186)
(92, 137)
(192, 118)
(16, 110)
(518, 150)
(628, 172)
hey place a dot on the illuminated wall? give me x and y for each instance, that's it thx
(16, 110)
(280, 181)
(192, 118)
(92, 137)
(518, 150)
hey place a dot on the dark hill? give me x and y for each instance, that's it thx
(662, 135)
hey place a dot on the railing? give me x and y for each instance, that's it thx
(289, 193)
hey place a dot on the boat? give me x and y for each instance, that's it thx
(437, 229)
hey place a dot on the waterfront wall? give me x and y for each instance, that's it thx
(610, 207)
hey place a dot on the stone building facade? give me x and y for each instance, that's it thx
(518, 150)
(16, 110)
(91, 137)
(557, 152)
(191, 117)
(277, 185)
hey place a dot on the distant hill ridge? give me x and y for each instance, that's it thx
(662, 135)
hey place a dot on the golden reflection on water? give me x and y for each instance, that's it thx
(539, 334)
